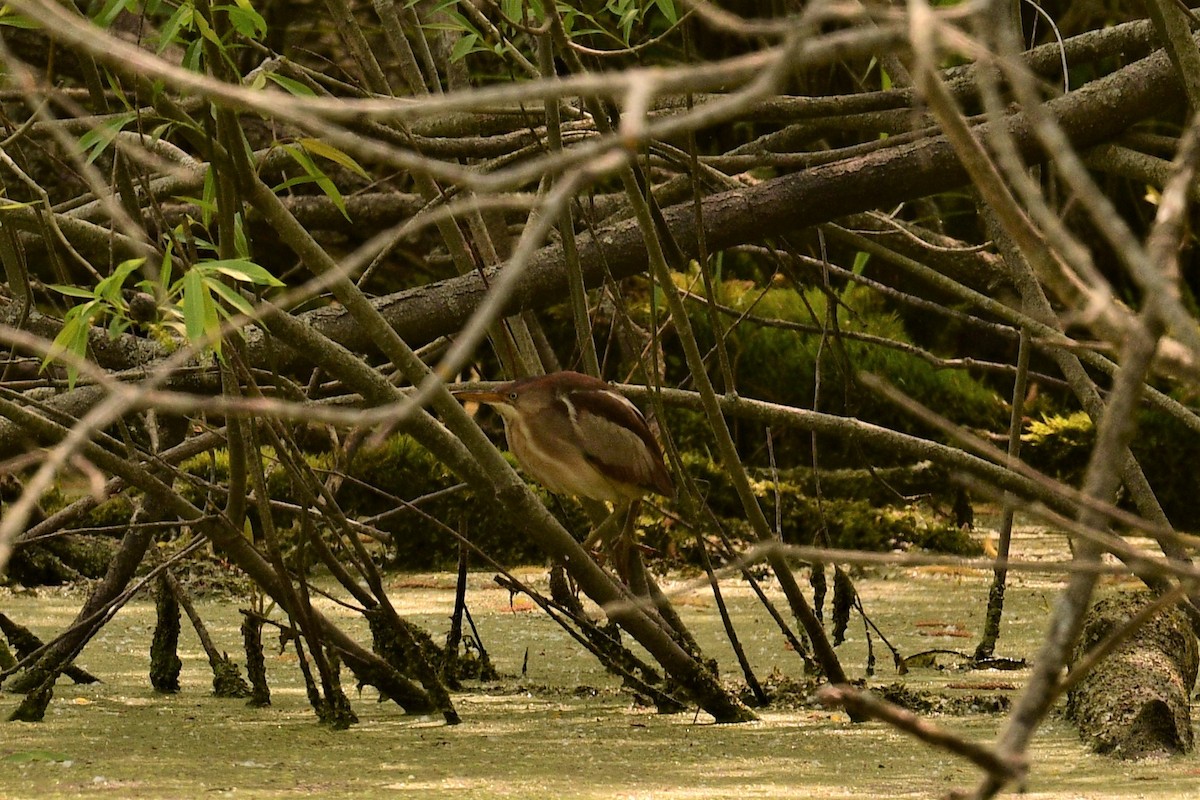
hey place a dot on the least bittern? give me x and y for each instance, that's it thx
(577, 436)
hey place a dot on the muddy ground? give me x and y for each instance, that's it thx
(563, 729)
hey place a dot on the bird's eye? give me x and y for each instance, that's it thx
(512, 396)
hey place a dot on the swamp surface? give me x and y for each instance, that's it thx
(563, 728)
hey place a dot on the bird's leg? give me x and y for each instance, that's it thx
(606, 533)
(627, 561)
(613, 537)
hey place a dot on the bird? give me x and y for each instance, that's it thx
(577, 436)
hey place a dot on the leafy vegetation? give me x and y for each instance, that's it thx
(263, 220)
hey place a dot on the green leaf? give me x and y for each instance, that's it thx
(299, 180)
(111, 8)
(449, 27)
(117, 326)
(72, 291)
(206, 30)
(318, 176)
(860, 262)
(571, 17)
(325, 150)
(97, 140)
(199, 309)
(291, 85)
(209, 205)
(182, 18)
(110, 288)
(466, 45)
(457, 19)
(241, 244)
(114, 83)
(168, 263)
(73, 337)
(668, 10)
(193, 304)
(245, 20)
(240, 269)
(232, 297)
(14, 20)
(626, 23)
(192, 55)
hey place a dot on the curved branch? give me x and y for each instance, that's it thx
(1094, 114)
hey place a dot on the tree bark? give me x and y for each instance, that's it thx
(1135, 703)
(1092, 115)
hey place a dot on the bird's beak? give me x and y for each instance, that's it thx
(478, 396)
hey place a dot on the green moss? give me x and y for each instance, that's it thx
(116, 510)
(165, 663)
(213, 466)
(857, 525)
(227, 678)
(256, 665)
(780, 365)
(1061, 444)
(851, 520)
(381, 480)
(403, 469)
(62, 559)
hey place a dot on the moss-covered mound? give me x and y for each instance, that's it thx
(856, 509)
(778, 351)
(401, 490)
(1060, 444)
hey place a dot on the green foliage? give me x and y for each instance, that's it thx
(847, 521)
(1162, 447)
(213, 467)
(187, 27)
(108, 12)
(10, 18)
(402, 468)
(290, 85)
(98, 139)
(302, 151)
(614, 23)
(194, 304)
(780, 364)
(398, 468)
(1060, 445)
(117, 510)
(105, 300)
(202, 289)
(244, 19)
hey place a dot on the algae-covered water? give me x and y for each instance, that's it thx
(563, 729)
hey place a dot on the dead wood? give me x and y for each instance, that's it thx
(1135, 703)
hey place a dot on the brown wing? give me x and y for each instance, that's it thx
(616, 439)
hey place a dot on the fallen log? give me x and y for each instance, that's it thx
(1134, 704)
